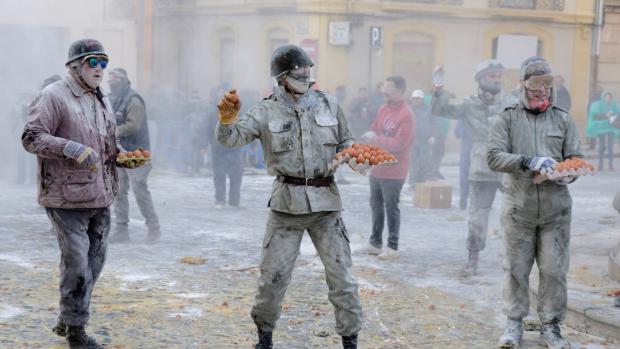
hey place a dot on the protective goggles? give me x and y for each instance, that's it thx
(94, 61)
(535, 82)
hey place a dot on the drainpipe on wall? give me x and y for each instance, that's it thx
(596, 42)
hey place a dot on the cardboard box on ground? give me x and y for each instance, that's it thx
(433, 195)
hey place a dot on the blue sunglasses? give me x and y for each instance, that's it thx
(94, 61)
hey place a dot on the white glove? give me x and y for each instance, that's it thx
(368, 135)
(541, 163)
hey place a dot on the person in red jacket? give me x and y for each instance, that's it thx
(393, 130)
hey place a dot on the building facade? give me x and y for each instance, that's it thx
(199, 43)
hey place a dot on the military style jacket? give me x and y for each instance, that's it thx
(479, 117)
(519, 135)
(64, 112)
(299, 139)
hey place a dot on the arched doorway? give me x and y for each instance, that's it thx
(413, 57)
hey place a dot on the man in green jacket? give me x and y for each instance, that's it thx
(527, 138)
(478, 113)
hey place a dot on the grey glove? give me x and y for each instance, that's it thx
(82, 154)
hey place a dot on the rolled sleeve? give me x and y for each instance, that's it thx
(243, 131)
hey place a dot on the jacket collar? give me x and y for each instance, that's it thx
(74, 86)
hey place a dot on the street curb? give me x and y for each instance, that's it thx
(601, 321)
(614, 264)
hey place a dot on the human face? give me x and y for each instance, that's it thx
(538, 99)
(494, 77)
(92, 75)
(391, 93)
(608, 98)
(417, 101)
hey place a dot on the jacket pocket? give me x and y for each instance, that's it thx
(79, 186)
(280, 135)
(555, 142)
(328, 133)
(328, 127)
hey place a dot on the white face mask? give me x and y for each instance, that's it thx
(297, 86)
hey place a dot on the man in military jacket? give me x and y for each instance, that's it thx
(300, 130)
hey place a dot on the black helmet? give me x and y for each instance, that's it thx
(289, 57)
(83, 48)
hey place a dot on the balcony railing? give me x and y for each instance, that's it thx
(549, 5)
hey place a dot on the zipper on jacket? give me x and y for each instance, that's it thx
(536, 154)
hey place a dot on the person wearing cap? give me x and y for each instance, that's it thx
(132, 129)
(300, 130)
(419, 167)
(477, 112)
(526, 138)
(71, 129)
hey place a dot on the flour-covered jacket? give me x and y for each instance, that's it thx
(299, 139)
(519, 135)
(64, 112)
(478, 116)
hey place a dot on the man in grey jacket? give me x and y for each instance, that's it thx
(133, 131)
(72, 131)
(528, 137)
(478, 113)
(300, 130)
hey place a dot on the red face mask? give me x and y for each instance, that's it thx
(539, 104)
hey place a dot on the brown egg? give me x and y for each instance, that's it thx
(360, 159)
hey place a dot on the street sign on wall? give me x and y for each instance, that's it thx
(376, 36)
(339, 33)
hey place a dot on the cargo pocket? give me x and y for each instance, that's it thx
(328, 133)
(280, 135)
(343, 230)
(79, 186)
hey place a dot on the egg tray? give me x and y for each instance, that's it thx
(555, 174)
(362, 168)
(126, 160)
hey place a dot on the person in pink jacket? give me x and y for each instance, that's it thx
(393, 130)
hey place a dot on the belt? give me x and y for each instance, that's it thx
(311, 182)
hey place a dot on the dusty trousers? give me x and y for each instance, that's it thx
(280, 250)
(528, 239)
(83, 241)
(136, 179)
(228, 165)
(481, 196)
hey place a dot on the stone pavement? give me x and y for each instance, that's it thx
(153, 297)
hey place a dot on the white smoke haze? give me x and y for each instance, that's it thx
(181, 55)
